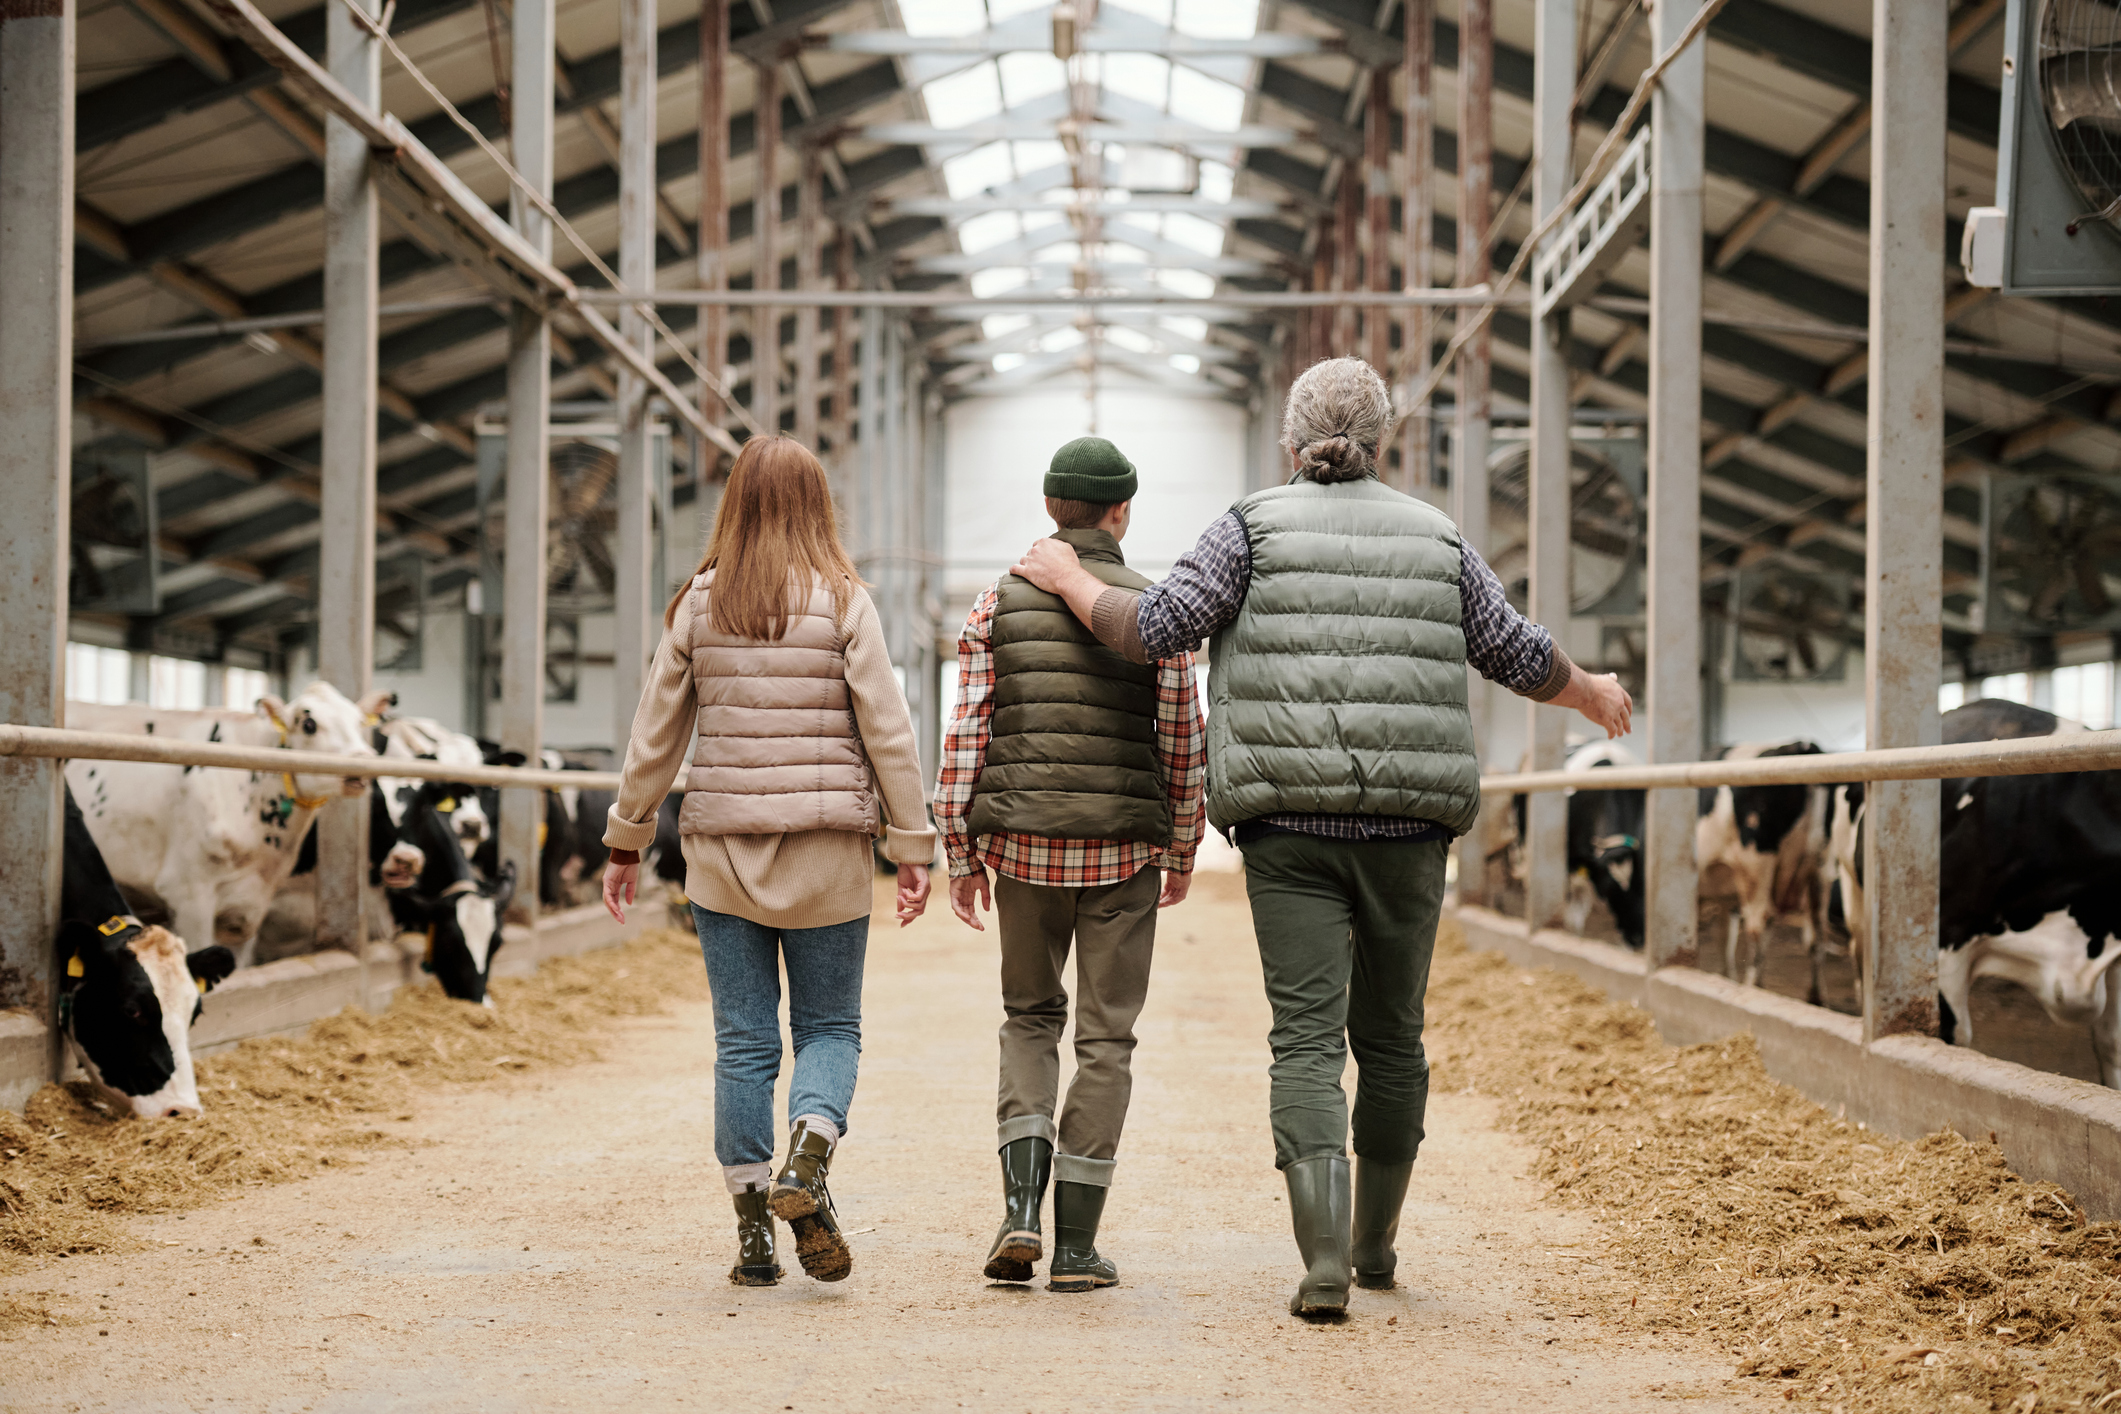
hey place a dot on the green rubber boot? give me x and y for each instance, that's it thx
(755, 1263)
(1380, 1192)
(1318, 1207)
(801, 1200)
(1077, 1209)
(1026, 1165)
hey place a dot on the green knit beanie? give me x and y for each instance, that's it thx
(1091, 469)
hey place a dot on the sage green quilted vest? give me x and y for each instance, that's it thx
(1340, 688)
(1073, 750)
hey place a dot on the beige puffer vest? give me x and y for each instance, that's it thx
(778, 749)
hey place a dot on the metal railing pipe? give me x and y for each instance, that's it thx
(2024, 756)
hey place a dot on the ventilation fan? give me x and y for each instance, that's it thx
(2053, 554)
(1788, 625)
(2056, 225)
(401, 613)
(1606, 520)
(581, 523)
(110, 567)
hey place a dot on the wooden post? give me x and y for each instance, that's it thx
(809, 231)
(765, 253)
(1417, 216)
(1377, 198)
(1904, 532)
(1469, 449)
(713, 243)
(634, 631)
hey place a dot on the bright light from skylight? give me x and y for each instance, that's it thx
(1004, 362)
(977, 170)
(945, 16)
(964, 98)
(1061, 339)
(1192, 232)
(1141, 77)
(997, 326)
(1129, 338)
(1029, 76)
(988, 283)
(986, 231)
(1209, 102)
(1038, 156)
(1216, 181)
(1191, 283)
(1218, 19)
(1157, 10)
(1008, 9)
(1185, 363)
(1186, 326)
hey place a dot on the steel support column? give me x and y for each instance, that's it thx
(1347, 257)
(1673, 685)
(842, 362)
(765, 253)
(1469, 450)
(36, 417)
(1377, 216)
(1553, 98)
(1904, 531)
(809, 232)
(634, 633)
(1417, 217)
(528, 465)
(712, 241)
(346, 568)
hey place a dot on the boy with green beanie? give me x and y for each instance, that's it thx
(1076, 776)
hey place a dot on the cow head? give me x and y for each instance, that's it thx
(322, 718)
(463, 928)
(131, 996)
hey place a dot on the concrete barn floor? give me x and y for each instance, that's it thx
(561, 1242)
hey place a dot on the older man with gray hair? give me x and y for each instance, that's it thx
(1341, 759)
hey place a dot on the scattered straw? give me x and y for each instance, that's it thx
(1860, 1270)
(283, 1108)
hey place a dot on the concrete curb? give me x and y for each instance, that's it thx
(283, 998)
(2049, 1126)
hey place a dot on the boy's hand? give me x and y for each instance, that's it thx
(965, 888)
(1175, 888)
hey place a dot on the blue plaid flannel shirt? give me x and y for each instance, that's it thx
(1206, 588)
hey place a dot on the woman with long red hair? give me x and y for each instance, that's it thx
(774, 656)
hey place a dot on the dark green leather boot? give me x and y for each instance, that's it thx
(755, 1264)
(801, 1200)
(1380, 1192)
(1077, 1208)
(1026, 1165)
(1318, 1206)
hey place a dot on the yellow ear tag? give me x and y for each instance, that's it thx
(447, 805)
(542, 827)
(113, 927)
(74, 967)
(200, 983)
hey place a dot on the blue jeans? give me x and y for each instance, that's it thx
(824, 1013)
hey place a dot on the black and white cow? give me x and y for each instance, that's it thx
(425, 739)
(1763, 851)
(213, 846)
(458, 911)
(1604, 857)
(2030, 883)
(129, 992)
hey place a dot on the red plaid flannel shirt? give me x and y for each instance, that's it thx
(1181, 750)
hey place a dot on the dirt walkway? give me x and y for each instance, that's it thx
(561, 1242)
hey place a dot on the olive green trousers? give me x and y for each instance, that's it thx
(1346, 930)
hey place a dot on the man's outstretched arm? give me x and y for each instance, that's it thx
(1505, 647)
(1201, 595)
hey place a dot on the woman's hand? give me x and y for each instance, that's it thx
(966, 891)
(620, 880)
(912, 892)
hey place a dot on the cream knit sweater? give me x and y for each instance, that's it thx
(807, 879)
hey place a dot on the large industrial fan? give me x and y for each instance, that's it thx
(2056, 224)
(582, 518)
(2052, 558)
(1788, 625)
(1606, 523)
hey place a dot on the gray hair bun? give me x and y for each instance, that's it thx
(1337, 416)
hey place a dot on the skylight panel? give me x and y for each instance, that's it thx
(1141, 221)
(1120, 253)
(999, 10)
(985, 231)
(1184, 228)
(944, 16)
(1157, 10)
(1156, 169)
(1185, 363)
(1208, 102)
(1216, 181)
(1141, 77)
(1027, 76)
(1129, 338)
(964, 98)
(1217, 19)
(1062, 252)
(988, 283)
(1186, 326)
(1004, 362)
(1066, 338)
(977, 170)
(1190, 283)
(1000, 326)
(1038, 156)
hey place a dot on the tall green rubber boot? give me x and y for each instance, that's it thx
(1077, 1209)
(755, 1262)
(1026, 1165)
(1380, 1192)
(1318, 1207)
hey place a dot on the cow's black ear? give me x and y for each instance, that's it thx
(505, 887)
(505, 758)
(210, 967)
(80, 946)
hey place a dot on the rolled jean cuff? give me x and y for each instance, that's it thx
(1025, 1127)
(741, 1178)
(1095, 1173)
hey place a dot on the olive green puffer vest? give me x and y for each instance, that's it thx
(1340, 688)
(1073, 751)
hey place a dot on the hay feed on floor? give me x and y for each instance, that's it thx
(1850, 1268)
(73, 1166)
